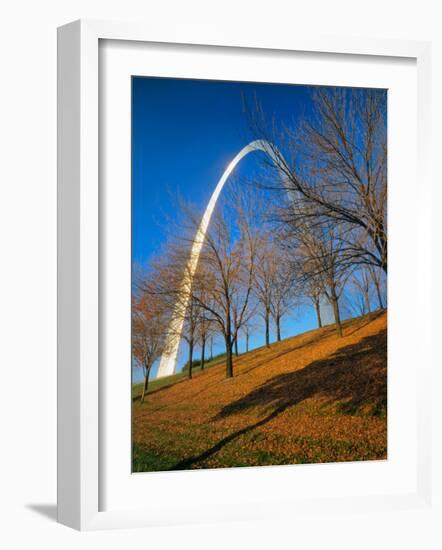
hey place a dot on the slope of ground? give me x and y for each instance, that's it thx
(166, 381)
(310, 398)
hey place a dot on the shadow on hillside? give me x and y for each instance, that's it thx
(364, 321)
(356, 375)
(318, 336)
(269, 356)
(196, 373)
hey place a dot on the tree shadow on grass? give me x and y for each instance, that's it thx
(356, 376)
(245, 364)
(365, 320)
(278, 354)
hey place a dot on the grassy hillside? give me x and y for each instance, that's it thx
(166, 381)
(311, 398)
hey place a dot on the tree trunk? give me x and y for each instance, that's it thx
(367, 301)
(211, 348)
(190, 357)
(267, 323)
(247, 342)
(335, 306)
(278, 328)
(146, 384)
(318, 313)
(203, 349)
(228, 339)
(378, 292)
(236, 347)
(229, 359)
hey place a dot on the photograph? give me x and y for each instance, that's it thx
(259, 274)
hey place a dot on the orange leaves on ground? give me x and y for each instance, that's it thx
(311, 398)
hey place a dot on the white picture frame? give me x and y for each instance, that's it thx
(79, 272)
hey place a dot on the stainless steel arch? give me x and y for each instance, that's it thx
(169, 358)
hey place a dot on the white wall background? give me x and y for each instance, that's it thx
(28, 266)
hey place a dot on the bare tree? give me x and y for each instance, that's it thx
(211, 340)
(225, 276)
(247, 329)
(365, 284)
(317, 257)
(192, 317)
(206, 330)
(264, 284)
(275, 283)
(172, 276)
(361, 281)
(285, 289)
(378, 278)
(335, 163)
(324, 262)
(216, 287)
(149, 330)
(312, 290)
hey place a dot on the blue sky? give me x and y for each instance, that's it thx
(184, 134)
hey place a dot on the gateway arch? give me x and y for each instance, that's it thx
(169, 358)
